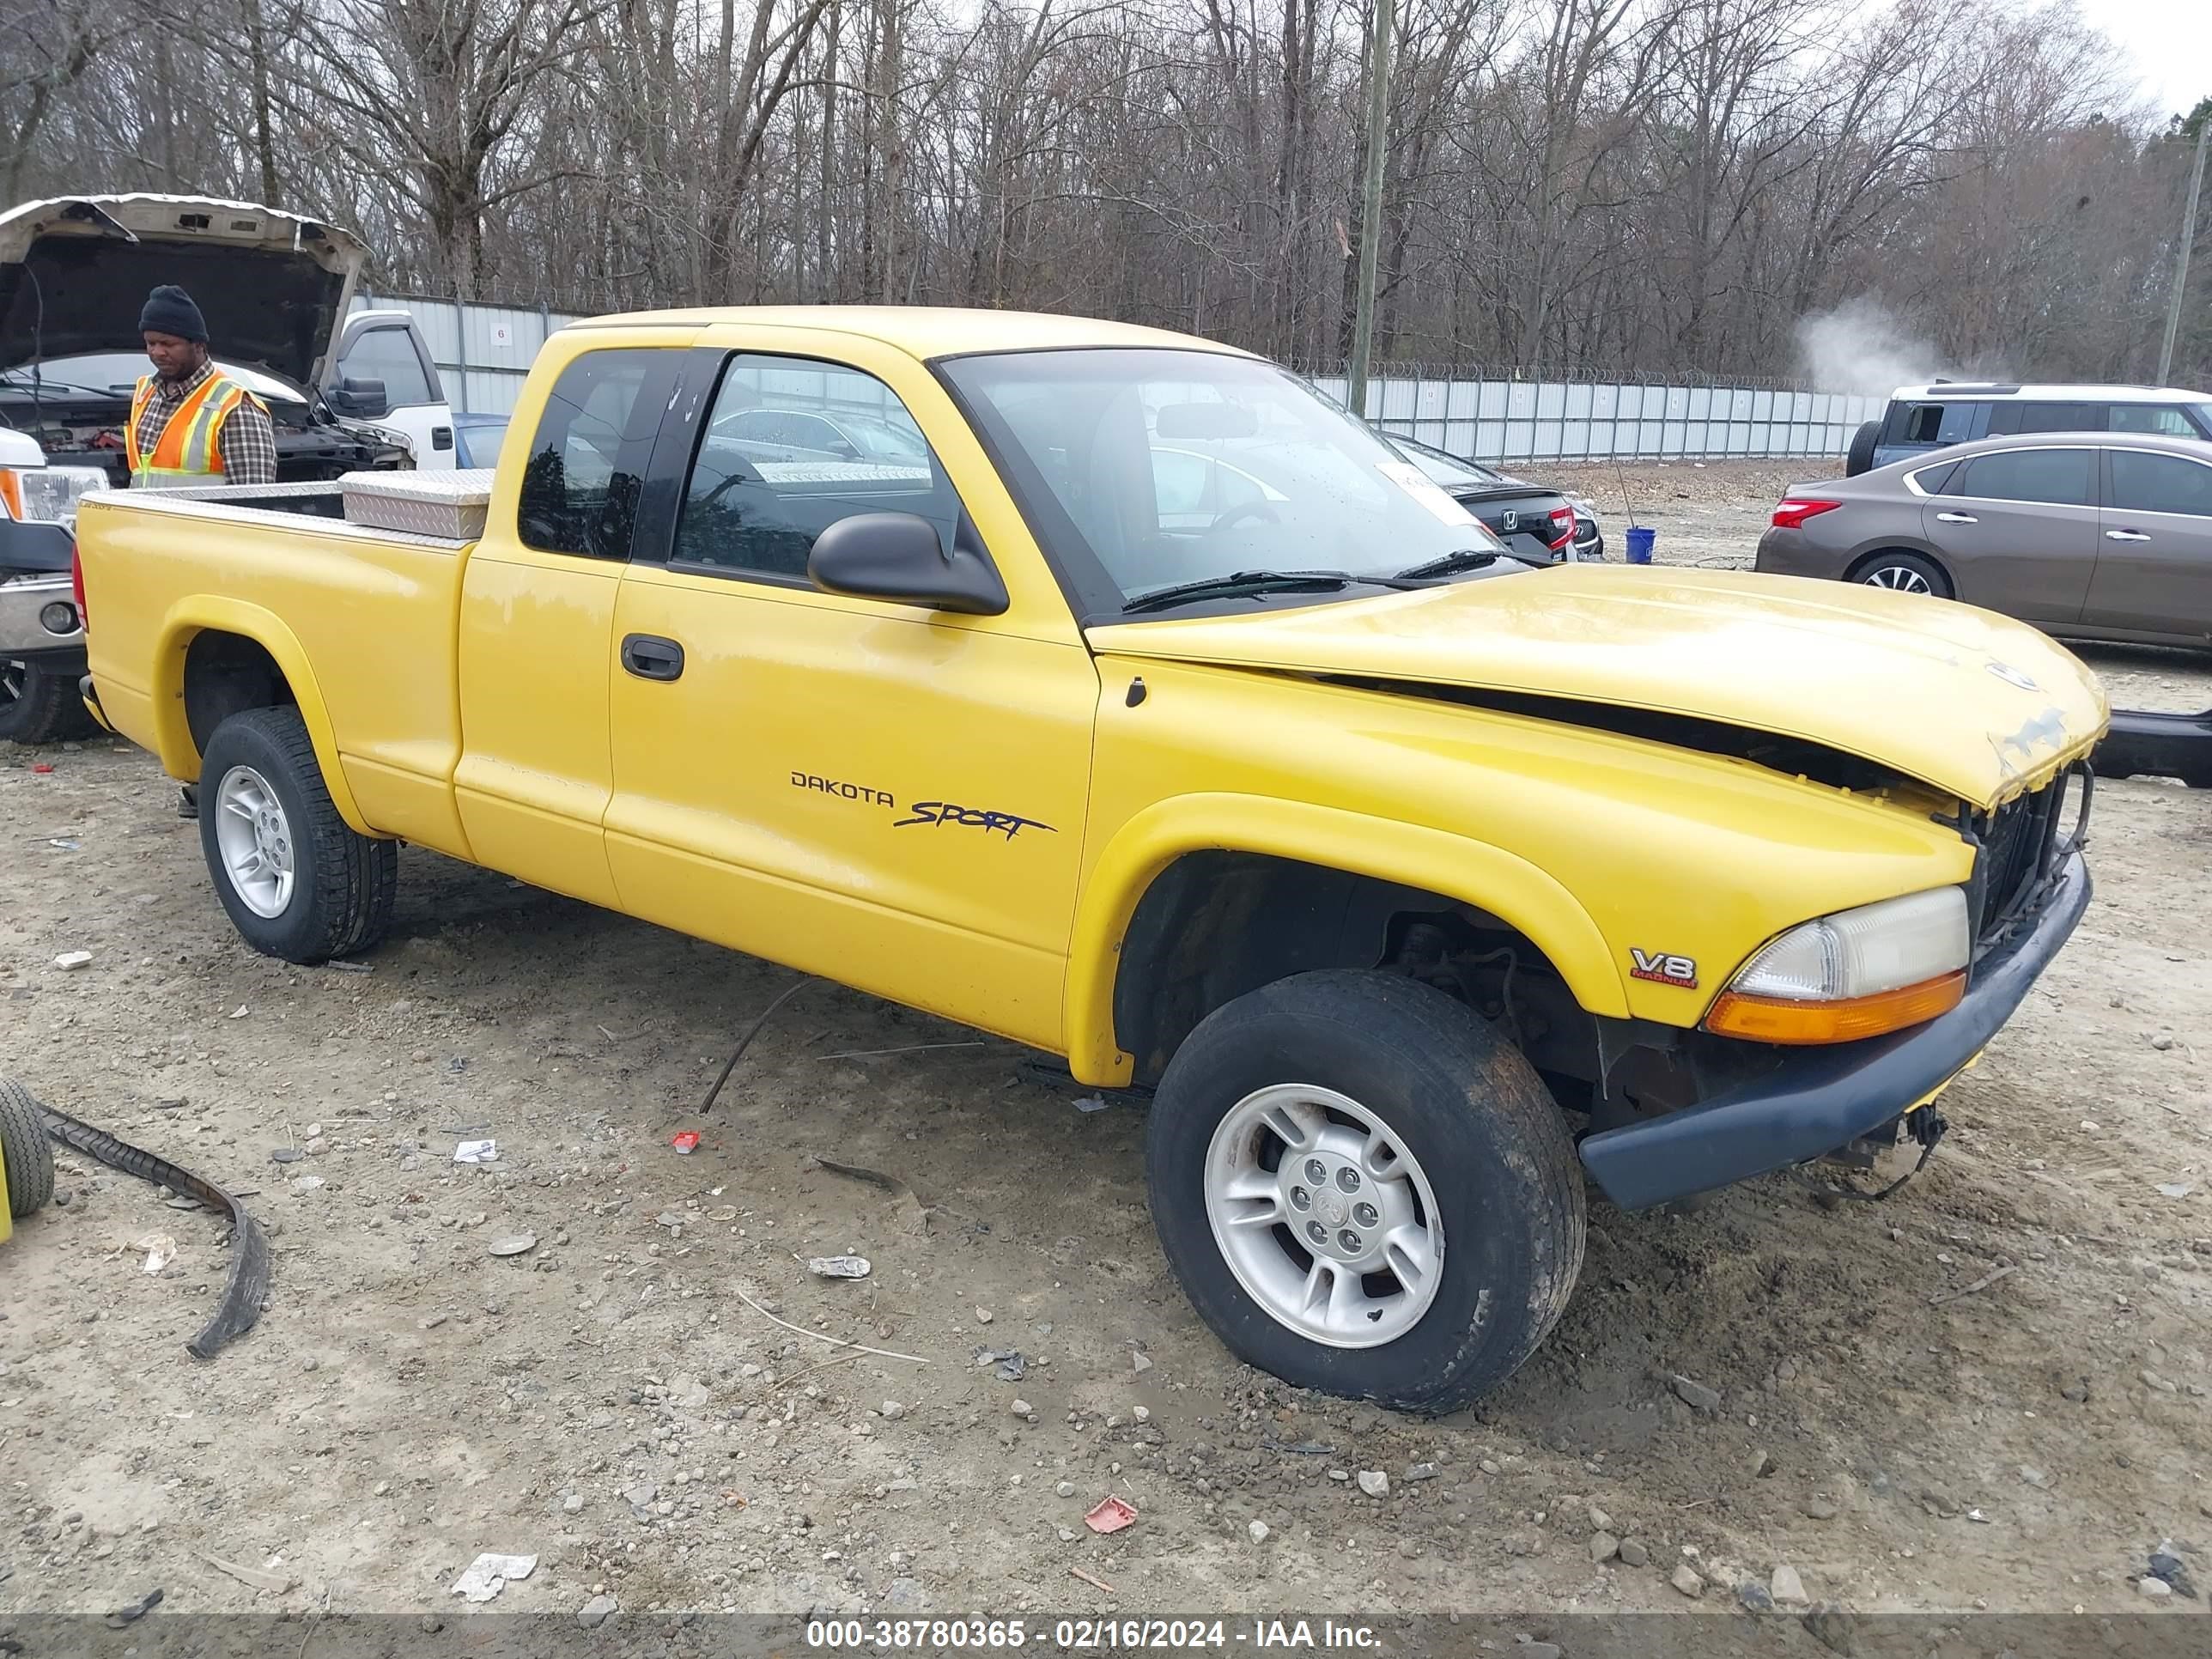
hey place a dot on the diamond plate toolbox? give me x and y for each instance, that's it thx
(449, 505)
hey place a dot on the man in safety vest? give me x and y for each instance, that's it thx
(190, 423)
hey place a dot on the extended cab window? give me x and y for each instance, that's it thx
(589, 452)
(2143, 482)
(791, 448)
(2057, 477)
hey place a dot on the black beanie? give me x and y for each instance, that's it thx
(170, 310)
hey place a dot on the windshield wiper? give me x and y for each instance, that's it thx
(20, 381)
(1242, 583)
(1451, 563)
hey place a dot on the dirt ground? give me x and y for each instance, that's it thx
(1990, 1392)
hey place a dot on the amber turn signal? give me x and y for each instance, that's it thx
(1788, 1019)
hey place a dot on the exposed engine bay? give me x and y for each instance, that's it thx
(273, 286)
(77, 409)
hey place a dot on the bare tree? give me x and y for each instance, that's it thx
(1664, 186)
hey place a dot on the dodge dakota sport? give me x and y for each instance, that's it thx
(1418, 883)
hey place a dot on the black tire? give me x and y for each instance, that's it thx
(40, 706)
(345, 884)
(1859, 457)
(1472, 1114)
(1897, 568)
(26, 1150)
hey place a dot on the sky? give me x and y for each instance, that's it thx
(2168, 43)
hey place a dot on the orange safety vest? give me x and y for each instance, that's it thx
(190, 448)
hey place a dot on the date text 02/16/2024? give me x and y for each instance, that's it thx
(938, 1636)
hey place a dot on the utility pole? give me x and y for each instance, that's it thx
(1371, 203)
(2181, 258)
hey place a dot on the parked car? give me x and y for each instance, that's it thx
(41, 635)
(73, 275)
(1921, 419)
(1394, 865)
(798, 434)
(1546, 526)
(382, 369)
(477, 439)
(2090, 536)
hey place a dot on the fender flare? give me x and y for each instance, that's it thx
(1455, 866)
(207, 613)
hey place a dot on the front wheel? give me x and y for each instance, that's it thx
(1363, 1191)
(298, 883)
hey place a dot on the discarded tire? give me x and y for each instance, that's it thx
(26, 1150)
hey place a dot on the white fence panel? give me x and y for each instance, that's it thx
(483, 351)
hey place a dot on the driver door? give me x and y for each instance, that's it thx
(889, 796)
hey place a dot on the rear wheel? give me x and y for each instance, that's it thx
(1363, 1191)
(40, 706)
(298, 883)
(1859, 457)
(25, 1149)
(1905, 573)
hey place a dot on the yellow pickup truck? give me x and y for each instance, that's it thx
(1112, 692)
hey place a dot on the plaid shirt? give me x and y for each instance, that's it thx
(249, 441)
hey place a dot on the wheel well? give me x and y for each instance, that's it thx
(1215, 925)
(226, 674)
(1859, 565)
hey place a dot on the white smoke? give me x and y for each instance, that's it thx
(1860, 347)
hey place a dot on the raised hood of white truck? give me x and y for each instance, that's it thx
(74, 272)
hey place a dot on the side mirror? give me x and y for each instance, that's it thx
(363, 399)
(897, 556)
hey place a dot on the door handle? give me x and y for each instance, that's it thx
(652, 658)
(2125, 536)
(1956, 518)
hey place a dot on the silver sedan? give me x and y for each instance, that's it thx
(2092, 535)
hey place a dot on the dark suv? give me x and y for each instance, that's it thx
(1921, 419)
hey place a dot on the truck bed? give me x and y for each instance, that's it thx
(173, 565)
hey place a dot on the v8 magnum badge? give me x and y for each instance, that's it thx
(1662, 970)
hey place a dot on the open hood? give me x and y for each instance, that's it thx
(74, 272)
(1977, 705)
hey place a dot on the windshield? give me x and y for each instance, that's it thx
(119, 373)
(1144, 469)
(1449, 470)
(2203, 413)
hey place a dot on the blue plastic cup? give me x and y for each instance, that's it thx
(1640, 543)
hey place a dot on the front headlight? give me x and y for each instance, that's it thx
(47, 492)
(1856, 974)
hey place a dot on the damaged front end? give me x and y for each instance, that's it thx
(1683, 1112)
